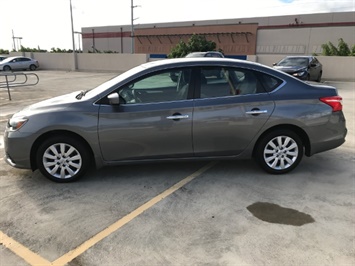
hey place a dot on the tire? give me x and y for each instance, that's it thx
(319, 77)
(279, 151)
(33, 67)
(62, 159)
(7, 68)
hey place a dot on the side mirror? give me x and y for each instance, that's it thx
(114, 98)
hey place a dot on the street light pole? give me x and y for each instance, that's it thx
(72, 34)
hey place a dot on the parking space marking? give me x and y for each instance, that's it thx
(66, 258)
(23, 252)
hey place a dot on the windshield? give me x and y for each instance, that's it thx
(108, 84)
(296, 61)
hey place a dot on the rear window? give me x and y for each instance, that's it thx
(269, 83)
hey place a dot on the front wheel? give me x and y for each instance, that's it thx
(7, 68)
(319, 78)
(62, 159)
(279, 152)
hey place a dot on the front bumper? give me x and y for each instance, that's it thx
(17, 150)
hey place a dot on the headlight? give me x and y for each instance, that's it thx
(300, 73)
(15, 123)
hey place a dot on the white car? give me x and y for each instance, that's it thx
(18, 63)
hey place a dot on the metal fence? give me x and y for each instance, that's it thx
(12, 80)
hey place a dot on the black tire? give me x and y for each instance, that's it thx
(279, 151)
(62, 159)
(33, 67)
(319, 78)
(7, 68)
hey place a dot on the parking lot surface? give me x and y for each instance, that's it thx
(200, 213)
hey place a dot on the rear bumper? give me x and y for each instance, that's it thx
(331, 136)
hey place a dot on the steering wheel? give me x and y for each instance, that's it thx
(136, 94)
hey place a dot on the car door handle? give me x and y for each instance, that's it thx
(256, 112)
(176, 117)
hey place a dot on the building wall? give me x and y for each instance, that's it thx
(303, 40)
(231, 39)
(292, 34)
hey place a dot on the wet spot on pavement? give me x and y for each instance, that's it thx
(273, 213)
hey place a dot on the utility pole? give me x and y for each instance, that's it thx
(132, 27)
(13, 40)
(16, 40)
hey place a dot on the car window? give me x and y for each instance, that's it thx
(221, 82)
(213, 55)
(269, 83)
(315, 61)
(159, 87)
(294, 61)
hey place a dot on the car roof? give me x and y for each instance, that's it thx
(200, 61)
(12, 57)
(300, 56)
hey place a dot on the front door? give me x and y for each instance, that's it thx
(153, 120)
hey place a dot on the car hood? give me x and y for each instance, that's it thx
(290, 69)
(52, 104)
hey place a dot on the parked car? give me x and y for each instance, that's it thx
(302, 67)
(141, 115)
(18, 63)
(206, 54)
(2, 57)
(209, 54)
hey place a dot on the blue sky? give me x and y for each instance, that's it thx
(46, 23)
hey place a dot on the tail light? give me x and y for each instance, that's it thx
(334, 101)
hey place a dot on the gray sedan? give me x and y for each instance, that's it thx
(18, 63)
(142, 115)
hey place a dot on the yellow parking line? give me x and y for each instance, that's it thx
(23, 252)
(66, 258)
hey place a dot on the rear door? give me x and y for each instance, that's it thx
(153, 120)
(230, 112)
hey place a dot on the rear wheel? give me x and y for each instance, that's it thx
(63, 159)
(279, 152)
(33, 67)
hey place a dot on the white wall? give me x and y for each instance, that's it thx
(87, 61)
(334, 67)
(110, 62)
